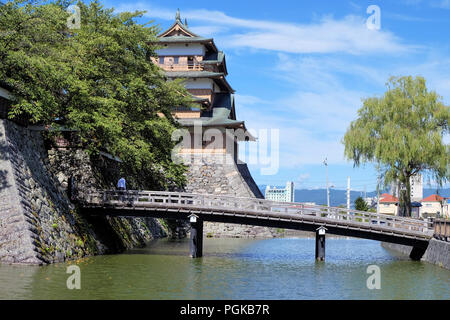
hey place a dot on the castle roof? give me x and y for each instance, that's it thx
(220, 76)
(179, 33)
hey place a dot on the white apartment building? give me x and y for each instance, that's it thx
(281, 194)
(416, 183)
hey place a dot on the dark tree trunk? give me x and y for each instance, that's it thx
(405, 196)
(405, 208)
(408, 208)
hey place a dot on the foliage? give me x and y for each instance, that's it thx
(98, 79)
(403, 132)
(361, 205)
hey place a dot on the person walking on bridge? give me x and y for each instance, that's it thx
(121, 185)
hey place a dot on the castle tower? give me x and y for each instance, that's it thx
(213, 166)
(203, 67)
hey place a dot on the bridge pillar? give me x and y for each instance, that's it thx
(417, 252)
(196, 238)
(320, 244)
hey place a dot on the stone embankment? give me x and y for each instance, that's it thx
(438, 252)
(219, 174)
(38, 222)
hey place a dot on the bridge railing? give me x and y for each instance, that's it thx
(136, 198)
(442, 229)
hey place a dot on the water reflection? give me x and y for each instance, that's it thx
(234, 269)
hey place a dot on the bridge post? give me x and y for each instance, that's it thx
(196, 238)
(320, 243)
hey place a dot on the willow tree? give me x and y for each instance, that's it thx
(97, 79)
(403, 132)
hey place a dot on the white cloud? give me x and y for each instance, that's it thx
(349, 35)
(207, 30)
(249, 100)
(443, 4)
(313, 119)
(151, 11)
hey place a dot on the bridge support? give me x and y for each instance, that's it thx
(417, 253)
(196, 238)
(320, 244)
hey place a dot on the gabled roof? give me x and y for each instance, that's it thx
(433, 198)
(193, 74)
(387, 198)
(178, 26)
(219, 119)
(179, 33)
(218, 77)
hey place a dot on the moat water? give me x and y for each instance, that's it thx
(234, 269)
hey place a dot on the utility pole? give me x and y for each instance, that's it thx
(328, 189)
(348, 192)
(378, 189)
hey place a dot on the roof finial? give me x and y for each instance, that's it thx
(177, 17)
(185, 22)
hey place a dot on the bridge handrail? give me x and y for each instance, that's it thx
(264, 201)
(255, 200)
(227, 201)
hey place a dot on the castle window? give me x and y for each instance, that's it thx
(161, 60)
(175, 60)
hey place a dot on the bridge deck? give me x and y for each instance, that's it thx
(261, 212)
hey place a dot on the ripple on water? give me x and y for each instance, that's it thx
(235, 269)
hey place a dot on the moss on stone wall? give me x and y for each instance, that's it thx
(54, 229)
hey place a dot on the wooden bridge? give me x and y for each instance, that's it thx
(259, 212)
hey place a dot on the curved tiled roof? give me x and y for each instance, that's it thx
(184, 39)
(387, 198)
(201, 74)
(433, 198)
(193, 74)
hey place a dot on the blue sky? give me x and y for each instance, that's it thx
(302, 67)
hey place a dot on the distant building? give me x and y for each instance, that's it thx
(371, 202)
(388, 204)
(446, 209)
(416, 183)
(433, 206)
(281, 194)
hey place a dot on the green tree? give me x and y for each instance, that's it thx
(403, 132)
(98, 79)
(361, 205)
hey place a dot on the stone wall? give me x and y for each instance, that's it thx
(38, 222)
(219, 174)
(438, 252)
